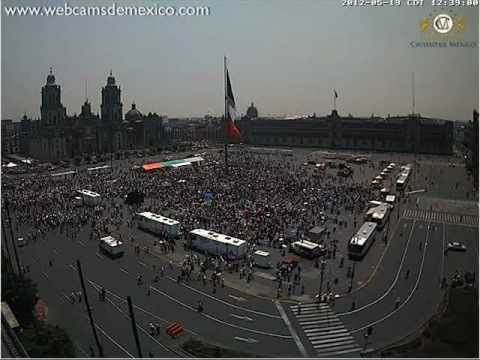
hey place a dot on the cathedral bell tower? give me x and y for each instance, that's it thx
(52, 111)
(111, 108)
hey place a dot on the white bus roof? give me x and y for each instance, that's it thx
(64, 173)
(362, 235)
(218, 237)
(88, 193)
(390, 198)
(159, 218)
(306, 244)
(401, 180)
(194, 159)
(98, 168)
(262, 253)
(111, 241)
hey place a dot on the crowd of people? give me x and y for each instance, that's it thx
(261, 199)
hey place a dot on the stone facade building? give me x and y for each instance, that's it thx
(399, 134)
(56, 136)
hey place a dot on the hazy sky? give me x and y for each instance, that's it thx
(286, 56)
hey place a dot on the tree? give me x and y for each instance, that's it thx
(21, 294)
(45, 340)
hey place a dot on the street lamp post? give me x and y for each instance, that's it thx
(322, 270)
(352, 276)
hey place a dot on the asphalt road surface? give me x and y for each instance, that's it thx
(232, 318)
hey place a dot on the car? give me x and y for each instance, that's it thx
(456, 246)
(311, 162)
(21, 242)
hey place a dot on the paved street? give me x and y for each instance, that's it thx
(396, 287)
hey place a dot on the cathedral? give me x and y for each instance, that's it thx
(57, 136)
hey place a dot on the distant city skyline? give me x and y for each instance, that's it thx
(284, 56)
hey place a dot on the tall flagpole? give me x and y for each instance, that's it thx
(413, 93)
(334, 100)
(225, 112)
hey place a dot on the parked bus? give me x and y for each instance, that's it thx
(362, 240)
(218, 244)
(63, 175)
(98, 170)
(111, 246)
(379, 214)
(90, 198)
(158, 224)
(307, 249)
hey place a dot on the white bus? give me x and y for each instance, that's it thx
(307, 249)
(98, 170)
(158, 224)
(379, 214)
(111, 246)
(402, 180)
(218, 244)
(90, 198)
(362, 240)
(63, 175)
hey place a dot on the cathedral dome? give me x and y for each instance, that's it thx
(133, 114)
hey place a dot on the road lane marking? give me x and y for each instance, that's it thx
(45, 275)
(218, 320)
(294, 334)
(238, 298)
(125, 271)
(98, 287)
(100, 256)
(226, 302)
(249, 340)
(140, 327)
(110, 338)
(393, 283)
(409, 296)
(142, 263)
(443, 254)
(81, 243)
(241, 317)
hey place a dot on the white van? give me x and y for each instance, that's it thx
(262, 259)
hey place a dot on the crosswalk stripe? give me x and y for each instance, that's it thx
(341, 352)
(336, 347)
(315, 325)
(302, 311)
(311, 305)
(323, 336)
(328, 342)
(310, 314)
(331, 329)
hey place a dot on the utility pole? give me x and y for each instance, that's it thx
(134, 327)
(12, 238)
(226, 113)
(89, 311)
(5, 246)
(322, 270)
(352, 276)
